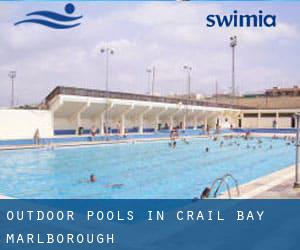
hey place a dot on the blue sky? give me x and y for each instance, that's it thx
(167, 35)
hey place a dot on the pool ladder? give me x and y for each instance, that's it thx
(223, 180)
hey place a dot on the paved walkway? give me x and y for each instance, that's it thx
(278, 185)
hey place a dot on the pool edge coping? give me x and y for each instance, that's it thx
(261, 184)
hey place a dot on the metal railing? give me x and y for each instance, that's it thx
(220, 182)
(130, 96)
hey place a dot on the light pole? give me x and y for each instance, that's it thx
(297, 181)
(107, 51)
(217, 91)
(153, 72)
(149, 72)
(233, 44)
(12, 75)
(188, 69)
(153, 78)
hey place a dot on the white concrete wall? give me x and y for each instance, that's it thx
(266, 122)
(22, 124)
(249, 122)
(284, 122)
(64, 123)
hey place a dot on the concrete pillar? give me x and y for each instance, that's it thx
(184, 122)
(277, 120)
(78, 122)
(77, 116)
(242, 119)
(205, 123)
(141, 124)
(156, 122)
(171, 122)
(123, 120)
(258, 119)
(101, 125)
(195, 121)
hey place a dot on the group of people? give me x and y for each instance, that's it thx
(106, 130)
(174, 135)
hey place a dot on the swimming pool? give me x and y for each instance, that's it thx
(147, 170)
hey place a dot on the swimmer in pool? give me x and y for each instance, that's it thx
(117, 185)
(207, 149)
(92, 178)
(205, 193)
(185, 141)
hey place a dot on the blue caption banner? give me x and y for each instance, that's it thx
(150, 224)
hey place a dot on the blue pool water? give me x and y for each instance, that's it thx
(147, 170)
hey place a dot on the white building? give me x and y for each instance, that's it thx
(70, 109)
(74, 108)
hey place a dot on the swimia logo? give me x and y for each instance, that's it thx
(52, 19)
(242, 20)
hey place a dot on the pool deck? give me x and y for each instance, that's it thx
(98, 142)
(277, 185)
(130, 140)
(5, 197)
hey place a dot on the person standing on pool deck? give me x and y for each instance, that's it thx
(36, 137)
(119, 127)
(93, 132)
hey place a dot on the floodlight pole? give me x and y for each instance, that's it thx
(107, 51)
(153, 80)
(12, 75)
(188, 69)
(149, 72)
(217, 91)
(297, 181)
(233, 44)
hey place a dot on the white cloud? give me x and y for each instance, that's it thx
(167, 35)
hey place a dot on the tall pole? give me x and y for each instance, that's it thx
(189, 84)
(106, 71)
(149, 72)
(107, 51)
(297, 181)
(12, 75)
(217, 90)
(188, 69)
(233, 44)
(153, 80)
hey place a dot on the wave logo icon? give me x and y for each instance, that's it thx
(53, 20)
